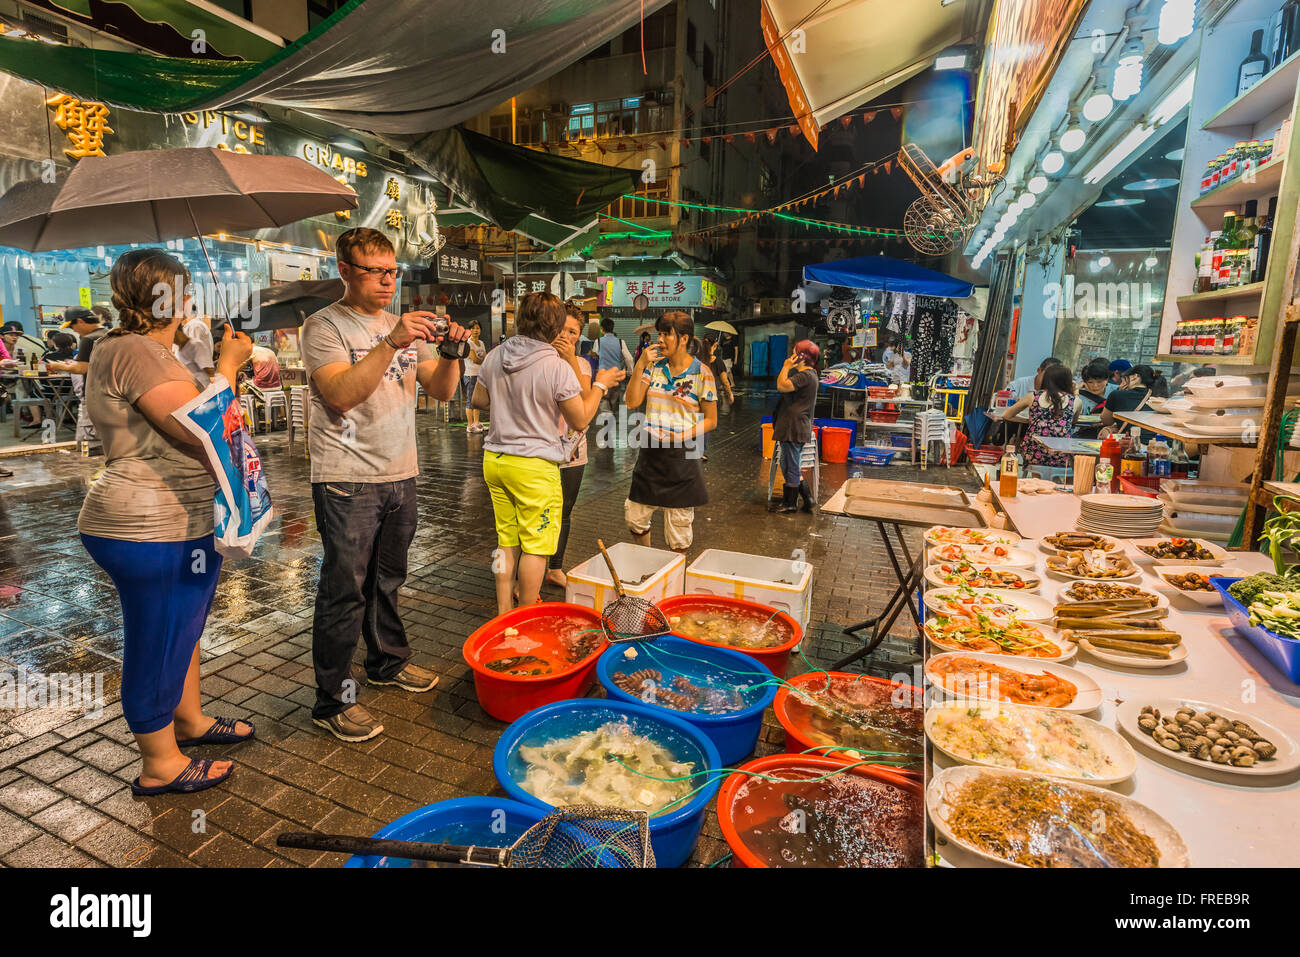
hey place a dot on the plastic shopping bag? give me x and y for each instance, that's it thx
(243, 501)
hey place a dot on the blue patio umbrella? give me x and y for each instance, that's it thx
(888, 274)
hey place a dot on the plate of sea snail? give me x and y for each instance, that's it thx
(1210, 737)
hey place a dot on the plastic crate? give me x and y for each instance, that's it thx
(884, 415)
(871, 455)
(1145, 485)
(985, 454)
(776, 582)
(1282, 652)
(649, 573)
(900, 440)
(883, 392)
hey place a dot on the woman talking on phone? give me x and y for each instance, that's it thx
(681, 403)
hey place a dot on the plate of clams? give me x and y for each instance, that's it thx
(1209, 737)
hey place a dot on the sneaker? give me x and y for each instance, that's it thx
(410, 678)
(353, 724)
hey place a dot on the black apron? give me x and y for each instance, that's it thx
(667, 478)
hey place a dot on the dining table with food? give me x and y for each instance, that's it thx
(1098, 706)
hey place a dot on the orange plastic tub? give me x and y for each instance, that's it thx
(835, 444)
(800, 737)
(769, 445)
(776, 659)
(541, 630)
(763, 804)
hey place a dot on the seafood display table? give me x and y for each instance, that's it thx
(1226, 821)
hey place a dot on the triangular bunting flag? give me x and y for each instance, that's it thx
(869, 116)
(846, 121)
(749, 137)
(897, 112)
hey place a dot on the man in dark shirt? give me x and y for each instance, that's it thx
(792, 425)
(87, 326)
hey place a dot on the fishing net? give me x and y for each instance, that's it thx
(586, 836)
(627, 617)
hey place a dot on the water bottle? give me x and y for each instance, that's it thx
(1158, 461)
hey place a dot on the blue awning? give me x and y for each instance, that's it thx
(889, 274)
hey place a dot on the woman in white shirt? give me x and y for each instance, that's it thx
(477, 353)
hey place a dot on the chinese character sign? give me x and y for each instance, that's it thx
(458, 265)
(665, 291)
(84, 123)
(392, 190)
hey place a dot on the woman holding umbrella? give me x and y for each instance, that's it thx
(681, 408)
(147, 522)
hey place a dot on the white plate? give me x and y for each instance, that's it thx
(1066, 576)
(1087, 696)
(990, 535)
(1220, 554)
(1046, 546)
(1067, 648)
(1237, 417)
(1011, 556)
(1109, 502)
(1125, 660)
(1207, 599)
(1286, 760)
(1173, 851)
(1209, 403)
(1063, 597)
(1121, 754)
(1114, 531)
(1032, 607)
(1033, 579)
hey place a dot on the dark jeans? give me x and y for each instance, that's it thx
(791, 455)
(366, 529)
(570, 482)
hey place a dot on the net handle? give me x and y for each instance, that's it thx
(409, 850)
(609, 563)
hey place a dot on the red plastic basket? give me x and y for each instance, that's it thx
(884, 415)
(985, 454)
(882, 392)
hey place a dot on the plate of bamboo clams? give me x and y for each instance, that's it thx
(1128, 632)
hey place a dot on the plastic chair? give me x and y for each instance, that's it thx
(249, 405)
(276, 401)
(808, 460)
(298, 411)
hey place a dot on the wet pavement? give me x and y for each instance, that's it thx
(64, 799)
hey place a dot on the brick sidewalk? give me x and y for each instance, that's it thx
(64, 799)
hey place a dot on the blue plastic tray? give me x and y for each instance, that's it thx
(1282, 652)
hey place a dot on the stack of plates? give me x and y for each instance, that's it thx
(1121, 516)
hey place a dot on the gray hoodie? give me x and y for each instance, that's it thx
(526, 381)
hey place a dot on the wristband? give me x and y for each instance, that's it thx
(601, 387)
(388, 338)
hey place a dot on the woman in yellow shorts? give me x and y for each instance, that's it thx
(528, 383)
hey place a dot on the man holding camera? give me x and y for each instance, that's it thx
(363, 364)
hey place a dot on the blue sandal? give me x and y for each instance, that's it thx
(221, 731)
(193, 778)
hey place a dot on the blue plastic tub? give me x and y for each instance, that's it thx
(734, 734)
(850, 424)
(674, 833)
(871, 455)
(486, 822)
(1282, 652)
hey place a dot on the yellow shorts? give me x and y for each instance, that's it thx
(526, 500)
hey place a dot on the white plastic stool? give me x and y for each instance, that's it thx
(809, 459)
(276, 401)
(249, 406)
(298, 410)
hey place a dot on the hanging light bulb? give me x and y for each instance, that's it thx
(1177, 20)
(1098, 106)
(1128, 72)
(1037, 185)
(1072, 140)
(1053, 162)
(1028, 200)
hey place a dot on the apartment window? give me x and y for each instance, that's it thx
(660, 32)
(582, 121)
(690, 39)
(639, 205)
(499, 127)
(606, 49)
(708, 64)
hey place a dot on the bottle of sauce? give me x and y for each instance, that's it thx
(1112, 453)
(1009, 479)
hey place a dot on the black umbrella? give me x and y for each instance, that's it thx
(287, 305)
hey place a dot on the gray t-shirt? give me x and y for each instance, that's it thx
(526, 381)
(375, 440)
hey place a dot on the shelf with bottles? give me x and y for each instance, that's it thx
(1265, 181)
(1270, 94)
(1249, 291)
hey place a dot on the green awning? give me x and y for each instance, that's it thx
(222, 35)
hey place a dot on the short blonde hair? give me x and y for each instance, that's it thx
(362, 239)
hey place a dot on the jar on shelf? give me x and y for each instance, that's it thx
(1229, 340)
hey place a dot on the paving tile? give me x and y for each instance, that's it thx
(14, 832)
(27, 796)
(47, 851)
(68, 819)
(107, 755)
(49, 766)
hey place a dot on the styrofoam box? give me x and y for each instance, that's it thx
(660, 574)
(780, 583)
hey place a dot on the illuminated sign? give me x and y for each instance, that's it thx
(245, 133)
(664, 291)
(325, 156)
(85, 123)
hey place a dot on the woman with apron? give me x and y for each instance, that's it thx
(681, 407)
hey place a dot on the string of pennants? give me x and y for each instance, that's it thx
(664, 141)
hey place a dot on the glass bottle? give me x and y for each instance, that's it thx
(1255, 65)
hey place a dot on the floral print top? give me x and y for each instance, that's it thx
(1043, 421)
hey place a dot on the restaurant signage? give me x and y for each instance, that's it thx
(456, 264)
(662, 292)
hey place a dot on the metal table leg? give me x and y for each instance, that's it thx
(901, 596)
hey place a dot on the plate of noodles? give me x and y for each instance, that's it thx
(1018, 819)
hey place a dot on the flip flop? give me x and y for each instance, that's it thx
(221, 731)
(193, 778)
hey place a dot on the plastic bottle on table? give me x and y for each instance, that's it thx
(1112, 453)
(1009, 479)
(1159, 464)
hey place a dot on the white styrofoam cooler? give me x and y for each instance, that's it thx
(781, 583)
(663, 573)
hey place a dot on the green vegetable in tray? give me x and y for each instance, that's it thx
(1278, 611)
(1247, 590)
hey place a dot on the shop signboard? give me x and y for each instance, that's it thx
(1025, 41)
(662, 292)
(457, 264)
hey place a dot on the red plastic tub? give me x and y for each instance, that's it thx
(835, 444)
(797, 740)
(776, 659)
(506, 696)
(734, 814)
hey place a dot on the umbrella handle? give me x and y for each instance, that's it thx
(609, 562)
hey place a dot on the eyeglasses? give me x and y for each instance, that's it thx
(377, 271)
